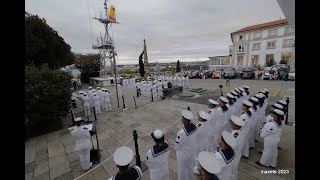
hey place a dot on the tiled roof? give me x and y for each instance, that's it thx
(263, 25)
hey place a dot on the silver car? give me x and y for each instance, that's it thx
(292, 74)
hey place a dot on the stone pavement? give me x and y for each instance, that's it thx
(52, 156)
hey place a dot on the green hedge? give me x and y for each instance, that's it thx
(47, 99)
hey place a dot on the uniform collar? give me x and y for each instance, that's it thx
(189, 129)
(227, 154)
(158, 150)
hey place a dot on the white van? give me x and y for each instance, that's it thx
(266, 73)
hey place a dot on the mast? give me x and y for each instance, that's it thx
(107, 49)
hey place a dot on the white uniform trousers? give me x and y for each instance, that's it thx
(185, 168)
(84, 158)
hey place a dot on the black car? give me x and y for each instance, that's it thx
(194, 75)
(229, 73)
(248, 74)
(208, 74)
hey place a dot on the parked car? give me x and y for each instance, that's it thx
(248, 73)
(229, 73)
(207, 73)
(266, 73)
(292, 75)
(194, 75)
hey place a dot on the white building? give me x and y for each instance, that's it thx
(217, 62)
(255, 45)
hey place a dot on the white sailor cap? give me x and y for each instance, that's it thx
(276, 105)
(229, 139)
(230, 95)
(211, 101)
(203, 115)
(90, 87)
(78, 119)
(254, 99)
(98, 87)
(93, 90)
(157, 134)
(247, 103)
(81, 92)
(234, 92)
(258, 96)
(237, 90)
(123, 156)
(278, 112)
(223, 99)
(187, 114)
(209, 162)
(237, 121)
(262, 91)
(266, 90)
(94, 94)
(262, 95)
(246, 87)
(138, 80)
(283, 102)
(241, 89)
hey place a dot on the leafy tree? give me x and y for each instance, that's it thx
(89, 65)
(43, 45)
(283, 61)
(47, 98)
(270, 63)
(141, 65)
(178, 68)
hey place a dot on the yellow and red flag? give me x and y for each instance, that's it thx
(112, 13)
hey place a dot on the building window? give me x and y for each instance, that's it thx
(255, 60)
(256, 46)
(285, 57)
(269, 57)
(272, 32)
(240, 48)
(289, 30)
(240, 61)
(225, 61)
(257, 35)
(271, 44)
(240, 37)
(216, 62)
(288, 42)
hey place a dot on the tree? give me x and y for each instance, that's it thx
(47, 98)
(283, 61)
(43, 45)
(178, 68)
(270, 63)
(141, 65)
(89, 64)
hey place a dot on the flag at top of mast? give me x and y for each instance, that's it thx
(112, 12)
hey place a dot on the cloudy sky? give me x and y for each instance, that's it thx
(174, 29)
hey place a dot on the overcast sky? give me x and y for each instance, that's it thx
(174, 29)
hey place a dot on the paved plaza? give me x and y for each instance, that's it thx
(52, 156)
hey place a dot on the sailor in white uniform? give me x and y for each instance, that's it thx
(149, 88)
(271, 138)
(236, 123)
(231, 105)
(160, 93)
(185, 143)
(260, 116)
(272, 108)
(165, 84)
(107, 100)
(237, 102)
(83, 144)
(96, 103)
(90, 94)
(253, 129)
(99, 91)
(266, 94)
(209, 166)
(223, 115)
(119, 90)
(154, 90)
(225, 154)
(240, 99)
(246, 116)
(86, 104)
(157, 157)
(244, 94)
(80, 97)
(123, 157)
(246, 91)
(202, 137)
(212, 133)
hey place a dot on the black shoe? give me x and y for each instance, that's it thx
(256, 140)
(245, 157)
(251, 147)
(260, 152)
(279, 147)
(260, 164)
